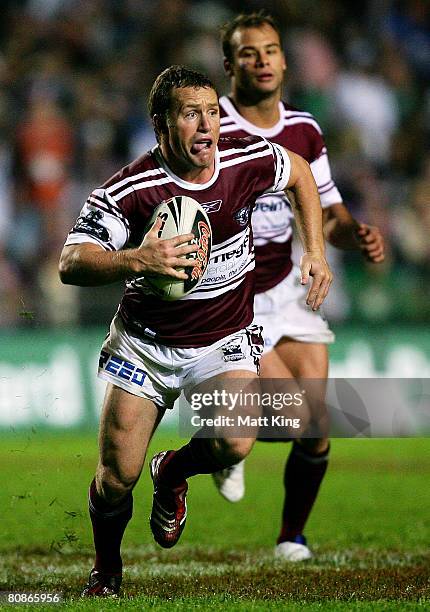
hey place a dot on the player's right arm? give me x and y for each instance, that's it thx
(88, 264)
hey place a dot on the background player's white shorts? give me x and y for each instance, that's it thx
(282, 311)
(159, 373)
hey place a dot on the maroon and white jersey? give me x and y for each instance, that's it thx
(272, 217)
(115, 216)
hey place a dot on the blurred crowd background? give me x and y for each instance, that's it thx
(74, 81)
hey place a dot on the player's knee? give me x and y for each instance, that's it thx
(234, 450)
(315, 446)
(114, 485)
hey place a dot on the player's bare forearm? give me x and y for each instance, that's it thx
(306, 204)
(89, 265)
(340, 227)
(307, 210)
(344, 232)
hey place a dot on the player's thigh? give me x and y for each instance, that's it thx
(307, 363)
(273, 366)
(127, 424)
(303, 359)
(235, 395)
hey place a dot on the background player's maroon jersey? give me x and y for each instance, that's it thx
(271, 220)
(115, 216)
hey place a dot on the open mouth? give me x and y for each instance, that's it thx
(201, 144)
(265, 76)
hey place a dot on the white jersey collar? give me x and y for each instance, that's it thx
(185, 184)
(230, 109)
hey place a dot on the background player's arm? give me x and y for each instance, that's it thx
(344, 232)
(88, 264)
(307, 211)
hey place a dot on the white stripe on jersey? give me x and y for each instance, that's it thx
(244, 158)
(225, 129)
(233, 127)
(297, 120)
(237, 238)
(234, 120)
(135, 177)
(280, 157)
(256, 145)
(77, 238)
(226, 120)
(145, 185)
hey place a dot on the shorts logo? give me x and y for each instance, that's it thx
(232, 351)
(120, 367)
(256, 342)
(242, 216)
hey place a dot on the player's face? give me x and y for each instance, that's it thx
(193, 126)
(258, 61)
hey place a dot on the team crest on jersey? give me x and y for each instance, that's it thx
(242, 216)
(90, 224)
(211, 207)
(232, 351)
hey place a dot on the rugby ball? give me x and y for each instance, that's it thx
(182, 215)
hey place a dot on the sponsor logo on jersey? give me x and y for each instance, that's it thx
(201, 256)
(121, 368)
(235, 253)
(228, 264)
(272, 205)
(211, 207)
(242, 216)
(232, 351)
(90, 224)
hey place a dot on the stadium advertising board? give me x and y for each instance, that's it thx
(49, 378)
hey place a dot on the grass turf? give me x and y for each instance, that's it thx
(369, 530)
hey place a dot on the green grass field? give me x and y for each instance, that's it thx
(369, 530)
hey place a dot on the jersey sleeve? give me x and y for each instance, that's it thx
(320, 167)
(282, 168)
(101, 221)
(329, 193)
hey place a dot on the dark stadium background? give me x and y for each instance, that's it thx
(74, 80)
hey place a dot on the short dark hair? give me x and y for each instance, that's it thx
(243, 21)
(172, 78)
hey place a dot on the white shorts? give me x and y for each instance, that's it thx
(159, 373)
(283, 312)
